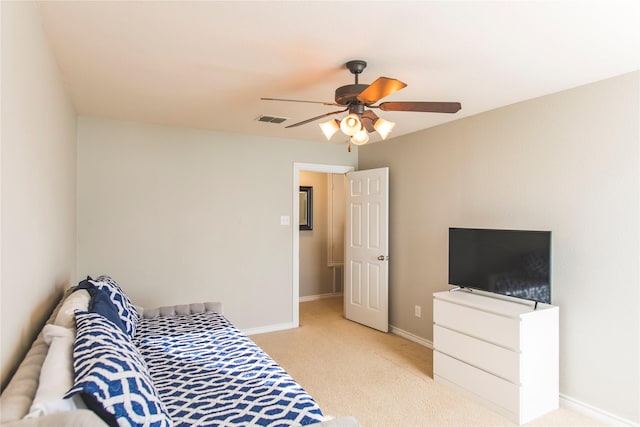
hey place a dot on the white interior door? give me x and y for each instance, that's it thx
(366, 292)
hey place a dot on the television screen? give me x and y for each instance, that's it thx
(515, 263)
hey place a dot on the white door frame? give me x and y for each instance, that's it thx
(297, 168)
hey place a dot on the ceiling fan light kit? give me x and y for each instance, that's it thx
(330, 128)
(360, 138)
(359, 99)
(383, 127)
(351, 124)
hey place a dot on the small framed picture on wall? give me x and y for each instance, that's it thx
(306, 208)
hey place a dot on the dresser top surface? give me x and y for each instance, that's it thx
(498, 305)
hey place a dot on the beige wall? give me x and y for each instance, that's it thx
(567, 162)
(38, 182)
(183, 215)
(316, 278)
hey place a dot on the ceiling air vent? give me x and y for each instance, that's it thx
(271, 119)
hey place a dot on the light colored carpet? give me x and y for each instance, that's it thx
(381, 379)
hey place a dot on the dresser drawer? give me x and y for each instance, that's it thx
(489, 357)
(489, 387)
(483, 325)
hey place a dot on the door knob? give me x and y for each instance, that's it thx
(381, 258)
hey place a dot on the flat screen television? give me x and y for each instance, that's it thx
(515, 263)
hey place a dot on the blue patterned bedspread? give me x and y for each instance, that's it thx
(208, 373)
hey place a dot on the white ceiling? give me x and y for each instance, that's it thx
(205, 64)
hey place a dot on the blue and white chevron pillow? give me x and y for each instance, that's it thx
(112, 377)
(128, 314)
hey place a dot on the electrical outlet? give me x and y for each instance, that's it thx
(418, 311)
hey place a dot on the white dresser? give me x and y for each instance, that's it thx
(499, 352)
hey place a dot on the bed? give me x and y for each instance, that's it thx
(184, 365)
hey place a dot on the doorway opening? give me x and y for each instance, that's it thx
(321, 234)
(297, 168)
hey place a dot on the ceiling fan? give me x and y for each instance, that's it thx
(358, 99)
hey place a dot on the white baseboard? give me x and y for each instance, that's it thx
(321, 296)
(595, 413)
(268, 328)
(283, 326)
(411, 337)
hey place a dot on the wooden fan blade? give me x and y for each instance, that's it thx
(382, 87)
(299, 100)
(315, 118)
(424, 107)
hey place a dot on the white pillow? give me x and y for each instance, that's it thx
(78, 300)
(56, 375)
